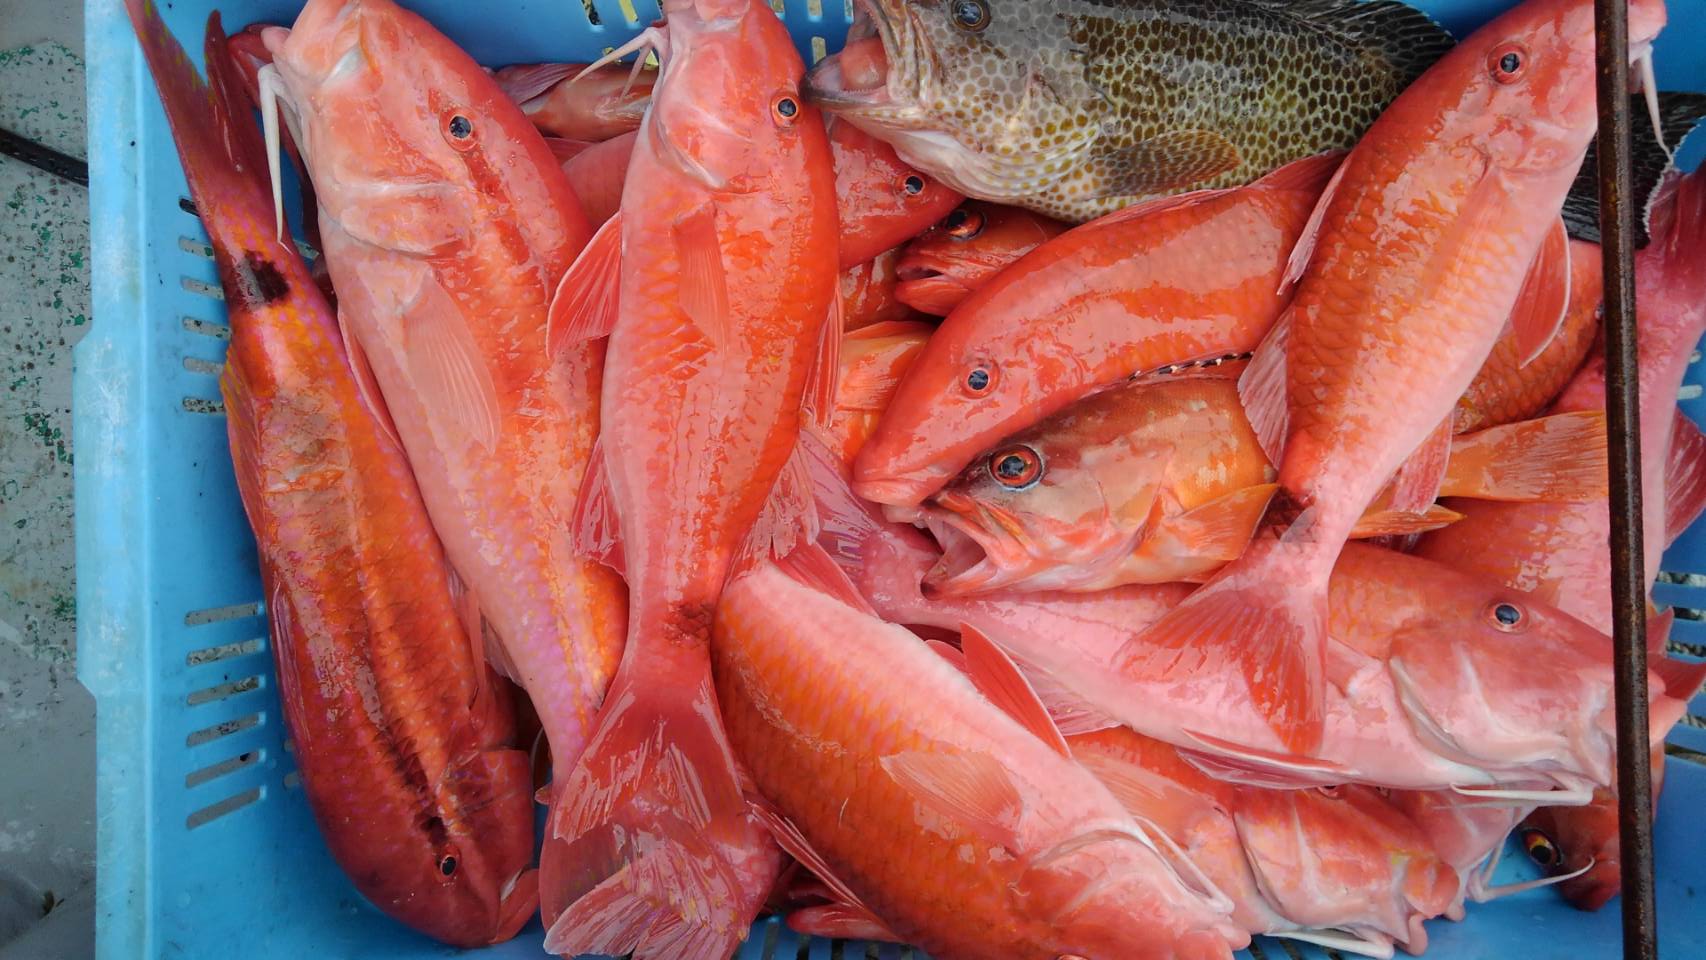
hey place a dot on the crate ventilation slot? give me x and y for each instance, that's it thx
(207, 328)
(201, 288)
(194, 247)
(223, 691)
(215, 408)
(222, 729)
(234, 611)
(198, 365)
(229, 805)
(196, 778)
(224, 651)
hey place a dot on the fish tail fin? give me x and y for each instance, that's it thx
(651, 825)
(1561, 457)
(1266, 613)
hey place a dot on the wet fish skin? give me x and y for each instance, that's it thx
(946, 263)
(403, 738)
(884, 201)
(594, 107)
(1077, 109)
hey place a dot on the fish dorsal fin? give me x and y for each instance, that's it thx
(1174, 160)
(823, 382)
(973, 790)
(1304, 250)
(788, 519)
(586, 303)
(998, 678)
(1262, 390)
(704, 280)
(840, 921)
(1416, 484)
(811, 566)
(446, 365)
(795, 844)
(1383, 31)
(1561, 457)
(1685, 476)
(1544, 299)
(1682, 678)
(366, 386)
(596, 530)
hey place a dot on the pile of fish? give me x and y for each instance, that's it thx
(1055, 480)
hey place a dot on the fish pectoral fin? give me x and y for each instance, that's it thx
(812, 566)
(523, 83)
(446, 365)
(794, 844)
(365, 385)
(971, 790)
(704, 282)
(1416, 484)
(1658, 638)
(1262, 390)
(1685, 477)
(596, 530)
(787, 522)
(1561, 457)
(823, 382)
(1171, 161)
(840, 921)
(1381, 522)
(1544, 300)
(586, 302)
(1221, 528)
(998, 678)
(1304, 250)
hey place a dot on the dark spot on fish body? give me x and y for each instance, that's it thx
(254, 282)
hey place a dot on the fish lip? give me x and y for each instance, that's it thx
(949, 514)
(824, 84)
(897, 491)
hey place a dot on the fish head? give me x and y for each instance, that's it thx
(1564, 840)
(883, 200)
(727, 101)
(972, 244)
(1051, 508)
(1524, 84)
(989, 95)
(403, 132)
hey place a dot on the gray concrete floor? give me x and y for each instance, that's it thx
(47, 860)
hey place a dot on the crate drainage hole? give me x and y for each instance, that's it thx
(200, 405)
(235, 611)
(202, 288)
(224, 651)
(213, 812)
(207, 328)
(196, 778)
(1684, 754)
(195, 247)
(224, 729)
(198, 365)
(223, 691)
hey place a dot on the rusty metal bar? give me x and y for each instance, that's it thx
(1623, 426)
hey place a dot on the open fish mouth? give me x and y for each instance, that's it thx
(859, 75)
(926, 283)
(978, 553)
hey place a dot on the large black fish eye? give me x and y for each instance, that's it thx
(1541, 849)
(447, 865)
(977, 381)
(1507, 616)
(971, 15)
(461, 128)
(1016, 467)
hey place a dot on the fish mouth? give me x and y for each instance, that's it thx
(981, 547)
(870, 49)
(925, 283)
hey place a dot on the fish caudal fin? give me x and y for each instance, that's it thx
(1685, 477)
(653, 820)
(1561, 457)
(1266, 613)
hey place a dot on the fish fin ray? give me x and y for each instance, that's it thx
(366, 385)
(840, 921)
(1304, 250)
(1237, 763)
(704, 291)
(999, 679)
(596, 529)
(587, 301)
(1685, 476)
(971, 789)
(788, 520)
(1561, 457)
(1378, 522)
(445, 364)
(523, 82)
(1221, 528)
(1544, 300)
(1167, 162)
(794, 843)
(1262, 390)
(812, 566)
(823, 387)
(1416, 484)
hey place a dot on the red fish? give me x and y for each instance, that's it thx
(404, 740)
(868, 293)
(1174, 280)
(715, 284)
(898, 793)
(594, 106)
(1411, 266)
(873, 359)
(884, 202)
(598, 173)
(966, 250)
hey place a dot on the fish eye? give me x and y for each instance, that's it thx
(963, 224)
(980, 380)
(459, 131)
(913, 185)
(1332, 792)
(447, 865)
(969, 15)
(1506, 616)
(785, 108)
(1016, 467)
(1541, 849)
(1508, 62)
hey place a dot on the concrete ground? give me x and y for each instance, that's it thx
(47, 859)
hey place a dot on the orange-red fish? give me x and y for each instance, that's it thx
(1186, 278)
(868, 293)
(715, 285)
(1413, 263)
(563, 102)
(884, 202)
(1162, 479)
(597, 174)
(404, 739)
(446, 223)
(966, 250)
(1506, 389)
(873, 359)
(936, 817)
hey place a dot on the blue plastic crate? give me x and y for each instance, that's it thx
(206, 848)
